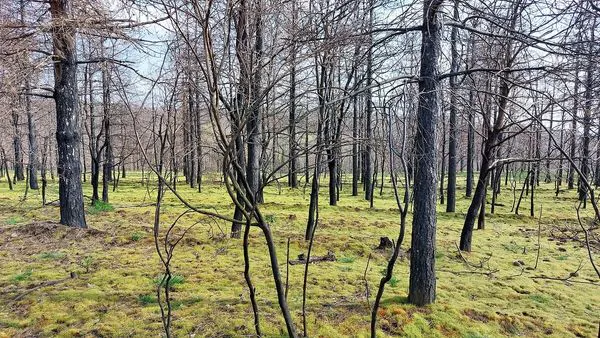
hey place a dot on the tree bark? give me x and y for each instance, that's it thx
(422, 264)
(67, 131)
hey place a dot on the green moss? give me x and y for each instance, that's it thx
(119, 269)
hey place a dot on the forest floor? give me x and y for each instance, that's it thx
(57, 281)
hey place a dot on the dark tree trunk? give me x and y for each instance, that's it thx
(33, 148)
(18, 163)
(306, 153)
(355, 167)
(478, 198)
(107, 146)
(559, 175)
(254, 123)
(481, 218)
(573, 146)
(368, 164)
(5, 162)
(422, 264)
(443, 159)
(67, 126)
(198, 140)
(452, 140)
(292, 153)
(314, 192)
(193, 140)
(587, 123)
(43, 170)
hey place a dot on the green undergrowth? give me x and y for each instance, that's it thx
(494, 291)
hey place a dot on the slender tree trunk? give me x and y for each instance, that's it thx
(587, 122)
(32, 138)
(369, 112)
(18, 163)
(573, 147)
(443, 159)
(355, 167)
(452, 139)
(254, 123)
(292, 151)
(107, 147)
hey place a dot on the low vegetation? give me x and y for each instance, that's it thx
(59, 281)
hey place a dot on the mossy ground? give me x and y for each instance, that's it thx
(118, 269)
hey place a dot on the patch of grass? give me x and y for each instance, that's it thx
(347, 260)
(13, 220)
(270, 218)
(136, 236)
(539, 298)
(473, 334)
(100, 207)
(562, 257)
(512, 247)
(147, 299)
(25, 275)
(393, 282)
(174, 281)
(52, 255)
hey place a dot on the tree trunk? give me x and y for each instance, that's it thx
(452, 141)
(67, 126)
(422, 264)
(369, 112)
(254, 123)
(443, 159)
(18, 163)
(106, 106)
(292, 153)
(587, 123)
(33, 149)
(573, 147)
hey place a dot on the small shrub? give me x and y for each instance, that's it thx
(87, 263)
(270, 218)
(175, 280)
(22, 276)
